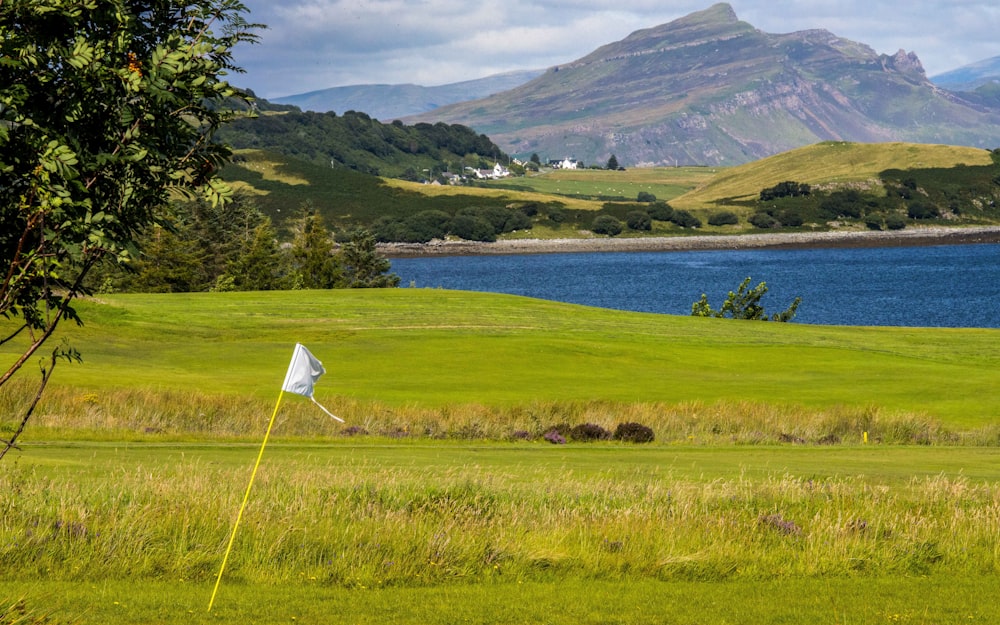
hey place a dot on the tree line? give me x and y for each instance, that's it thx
(206, 247)
(355, 141)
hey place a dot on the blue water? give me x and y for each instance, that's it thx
(940, 286)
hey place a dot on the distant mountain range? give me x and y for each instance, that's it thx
(710, 89)
(706, 89)
(970, 77)
(389, 102)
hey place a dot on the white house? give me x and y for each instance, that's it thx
(566, 163)
(498, 171)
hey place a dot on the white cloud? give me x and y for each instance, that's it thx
(315, 44)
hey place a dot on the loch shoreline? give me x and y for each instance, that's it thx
(933, 235)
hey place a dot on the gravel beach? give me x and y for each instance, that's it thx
(832, 238)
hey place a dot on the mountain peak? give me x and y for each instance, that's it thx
(718, 13)
(708, 88)
(718, 17)
(716, 23)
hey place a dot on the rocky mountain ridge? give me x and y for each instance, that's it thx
(709, 89)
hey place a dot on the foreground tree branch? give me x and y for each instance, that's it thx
(107, 107)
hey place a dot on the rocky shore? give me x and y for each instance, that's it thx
(832, 238)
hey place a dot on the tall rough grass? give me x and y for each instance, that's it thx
(145, 414)
(367, 526)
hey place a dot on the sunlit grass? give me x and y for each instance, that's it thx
(428, 349)
(108, 530)
(664, 183)
(491, 192)
(825, 163)
(799, 473)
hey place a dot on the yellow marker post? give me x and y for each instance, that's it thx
(246, 498)
(866, 437)
(303, 372)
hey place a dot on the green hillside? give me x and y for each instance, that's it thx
(959, 183)
(356, 141)
(422, 355)
(281, 184)
(828, 163)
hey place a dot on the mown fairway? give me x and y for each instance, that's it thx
(119, 506)
(434, 348)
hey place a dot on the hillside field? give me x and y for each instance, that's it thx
(281, 185)
(828, 163)
(598, 185)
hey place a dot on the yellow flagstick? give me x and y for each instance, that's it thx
(246, 498)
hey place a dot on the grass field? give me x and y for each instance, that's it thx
(666, 183)
(126, 533)
(118, 507)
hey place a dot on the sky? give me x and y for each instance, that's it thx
(316, 44)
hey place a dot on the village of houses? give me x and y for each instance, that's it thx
(499, 171)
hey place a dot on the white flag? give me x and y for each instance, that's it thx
(303, 372)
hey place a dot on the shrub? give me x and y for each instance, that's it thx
(847, 203)
(660, 211)
(473, 228)
(589, 432)
(518, 220)
(644, 196)
(639, 220)
(530, 209)
(874, 221)
(556, 214)
(790, 217)
(496, 215)
(895, 222)
(633, 433)
(725, 218)
(763, 220)
(554, 437)
(429, 224)
(685, 219)
(606, 224)
(922, 210)
(785, 189)
(560, 428)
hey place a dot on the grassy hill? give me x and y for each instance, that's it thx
(280, 184)
(449, 360)
(947, 175)
(827, 163)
